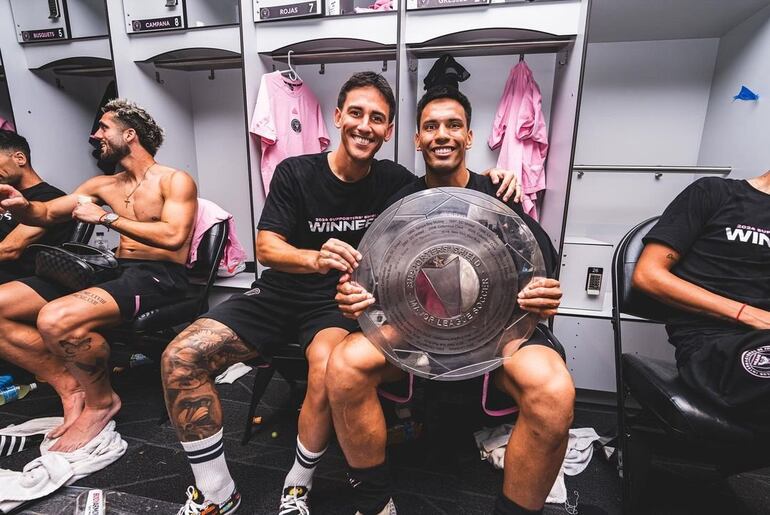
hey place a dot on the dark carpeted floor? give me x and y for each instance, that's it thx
(438, 474)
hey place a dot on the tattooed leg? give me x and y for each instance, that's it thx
(66, 326)
(186, 368)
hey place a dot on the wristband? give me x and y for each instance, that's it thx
(738, 316)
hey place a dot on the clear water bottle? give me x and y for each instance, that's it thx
(5, 380)
(12, 393)
(100, 242)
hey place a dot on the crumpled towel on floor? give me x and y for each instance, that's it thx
(52, 470)
(492, 441)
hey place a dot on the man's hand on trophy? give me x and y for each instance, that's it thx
(11, 200)
(337, 255)
(509, 184)
(352, 298)
(541, 296)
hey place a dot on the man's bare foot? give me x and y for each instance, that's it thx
(73, 405)
(89, 424)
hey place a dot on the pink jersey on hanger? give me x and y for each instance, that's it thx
(6, 125)
(288, 121)
(519, 130)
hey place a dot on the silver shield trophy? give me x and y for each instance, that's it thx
(445, 266)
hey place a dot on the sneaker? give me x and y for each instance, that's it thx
(294, 501)
(197, 505)
(389, 509)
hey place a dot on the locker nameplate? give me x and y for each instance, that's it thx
(150, 24)
(440, 4)
(266, 12)
(30, 36)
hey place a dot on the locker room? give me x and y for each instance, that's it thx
(604, 113)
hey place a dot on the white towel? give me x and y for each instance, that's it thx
(36, 426)
(53, 470)
(492, 442)
(233, 373)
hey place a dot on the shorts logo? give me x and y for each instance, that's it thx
(757, 362)
(254, 291)
(296, 126)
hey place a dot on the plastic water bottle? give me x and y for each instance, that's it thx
(6, 380)
(100, 242)
(12, 393)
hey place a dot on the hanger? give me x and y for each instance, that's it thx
(521, 57)
(291, 73)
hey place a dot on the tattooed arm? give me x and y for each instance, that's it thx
(654, 277)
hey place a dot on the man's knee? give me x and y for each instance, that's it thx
(354, 365)
(58, 322)
(183, 358)
(545, 390)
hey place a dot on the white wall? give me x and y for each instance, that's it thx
(484, 89)
(736, 132)
(645, 102)
(220, 146)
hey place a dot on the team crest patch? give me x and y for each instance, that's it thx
(296, 126)
(757, 362)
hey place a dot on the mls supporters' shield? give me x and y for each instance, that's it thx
(445, 266)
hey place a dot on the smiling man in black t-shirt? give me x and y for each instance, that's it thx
(16, 169)
(533, 374)
(316, 213)
(709, 256)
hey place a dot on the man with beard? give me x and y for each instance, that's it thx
(153, 209)
(533, 373)
(16, 169)
(318, 208)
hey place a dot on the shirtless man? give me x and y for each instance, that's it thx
(153, 208)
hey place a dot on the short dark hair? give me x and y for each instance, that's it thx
(439, 92)
(365, 79)
(134, 117)
(12, 141)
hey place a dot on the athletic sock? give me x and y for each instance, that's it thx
(371, 488)
(505, 506)
(212, 477)
(305, 461)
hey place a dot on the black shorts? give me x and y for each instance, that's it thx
(731, 367)
(143, 285)
(493, 401)
(268, 317)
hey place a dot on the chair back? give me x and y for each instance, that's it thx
(210, 251)
(81, 233)
(626, 299)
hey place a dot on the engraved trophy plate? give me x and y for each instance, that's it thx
(445, 266)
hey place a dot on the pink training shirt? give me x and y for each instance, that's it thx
(288, 121)
(519, 130)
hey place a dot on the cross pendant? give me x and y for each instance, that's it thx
(127, 202)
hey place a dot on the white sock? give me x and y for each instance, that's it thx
(305, 461)
(212, 477)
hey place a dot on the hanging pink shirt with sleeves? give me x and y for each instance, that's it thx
(288, 121)
(520, 131)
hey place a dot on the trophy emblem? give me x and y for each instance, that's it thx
(445, 266)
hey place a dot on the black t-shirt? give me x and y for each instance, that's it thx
(54, 235)
(483, 184)
(721, 229)
(308, 204)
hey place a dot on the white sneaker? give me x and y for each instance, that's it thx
(389, 509)
(294, 501)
